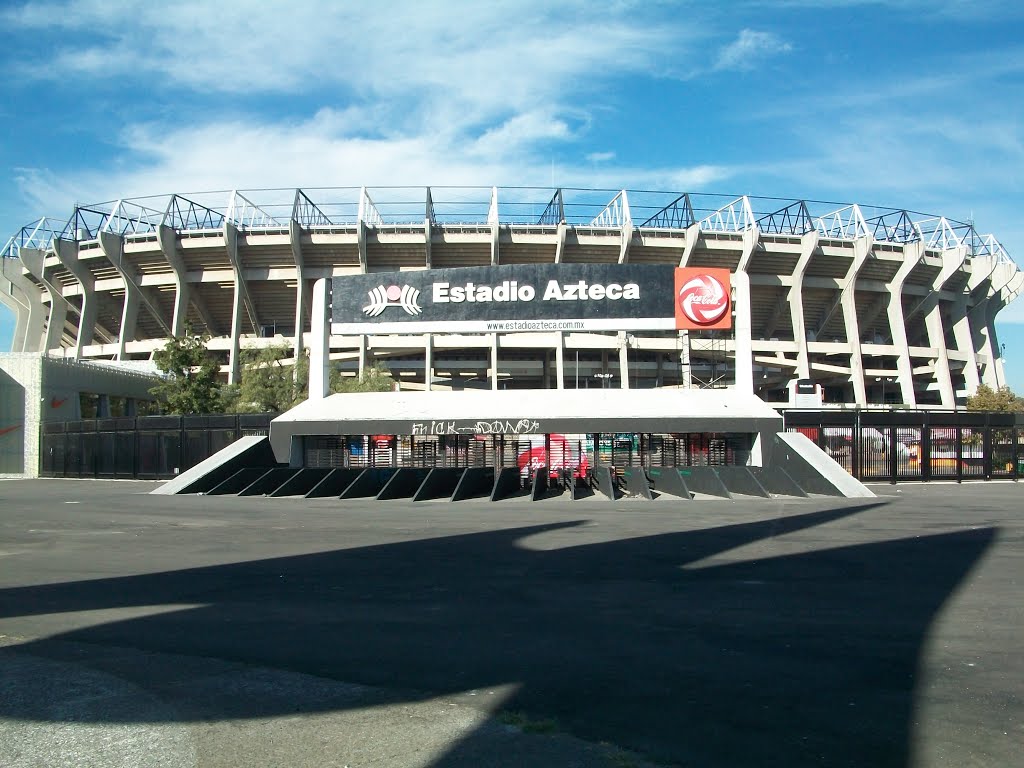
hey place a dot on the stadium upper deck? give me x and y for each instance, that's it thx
(873, 304)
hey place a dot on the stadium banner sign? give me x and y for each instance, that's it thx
(508, 298)
(703, 299)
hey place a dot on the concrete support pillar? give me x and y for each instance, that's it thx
(912, 254)
(67, 251)
(685, 374)
(624, 360)
(25, 300)
(493, 371)
(964, 344)
(428, 361)
(103, 406)
(808, 245)
(560, 362)
(295, 237)
(861, 248)
(235, 355)
(34, 260)
(744, 359)
(362, 354)
(319, 351)
(169, 248)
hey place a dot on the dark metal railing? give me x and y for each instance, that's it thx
(146, 447)
(898, 446)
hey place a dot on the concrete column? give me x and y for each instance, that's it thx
(319, 351)
(362, 355)
(912, 254)
(560, 362)
(295, 237)
(808, 245)
(168, 246)
(964, 344)
(494, 361)
(67, 250)
(23, 298)
(428, 361)
(623, 361)
(861, 248)
(744, 359)
(35, 261)
(235, 355)
(686, 376)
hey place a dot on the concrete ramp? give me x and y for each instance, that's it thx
(635, 483)
(813, 469)
(370, 482)
(270, 481)
(667, 480)
(777, 481)
(239, 481)
(302, 482)
(742, 481)
(252, 451)
(541, 483)
(476, 482)
(404, 483)
(337, 480)
(506, 483)
(601, 478)
(440, 483)
(705, 481)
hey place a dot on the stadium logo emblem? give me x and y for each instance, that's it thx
(703, 299)
(381, 298)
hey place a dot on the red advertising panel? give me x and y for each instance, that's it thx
(702, 299)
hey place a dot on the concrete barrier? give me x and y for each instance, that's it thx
(238, 481)
(506, 483)
(541, 483)
(440, 483)
(777, 481)
(246, 452)
(301, 483)
(270, 481)
(404, 483)
(635, 483)
(741, 480)
(704, 480)
(369, 483)
(601, 478)
(337, 480)
(668, 480)
(475, 482)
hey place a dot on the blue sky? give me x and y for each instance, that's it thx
(916, 105)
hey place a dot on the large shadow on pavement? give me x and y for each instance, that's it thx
(800, 660)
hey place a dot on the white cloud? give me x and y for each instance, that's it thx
(323, 152)
(600, 157)
(749, 49)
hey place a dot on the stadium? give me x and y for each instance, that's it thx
(865, 305)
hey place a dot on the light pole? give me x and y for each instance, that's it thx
(604, 379)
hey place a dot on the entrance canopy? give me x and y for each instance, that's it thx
(524, 412)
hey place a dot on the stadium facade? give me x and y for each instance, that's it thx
(864, 305)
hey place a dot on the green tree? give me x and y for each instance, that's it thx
(373, 380)
(270, 381)
(190, 382)
(988, 399)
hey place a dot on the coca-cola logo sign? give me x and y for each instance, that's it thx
(702, 298)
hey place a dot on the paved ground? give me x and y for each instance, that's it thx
(178, 631)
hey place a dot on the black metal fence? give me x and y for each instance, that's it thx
(872, 445)
(898, 446)
(146, 447)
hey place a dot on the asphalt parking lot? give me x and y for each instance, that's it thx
(210, 631)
